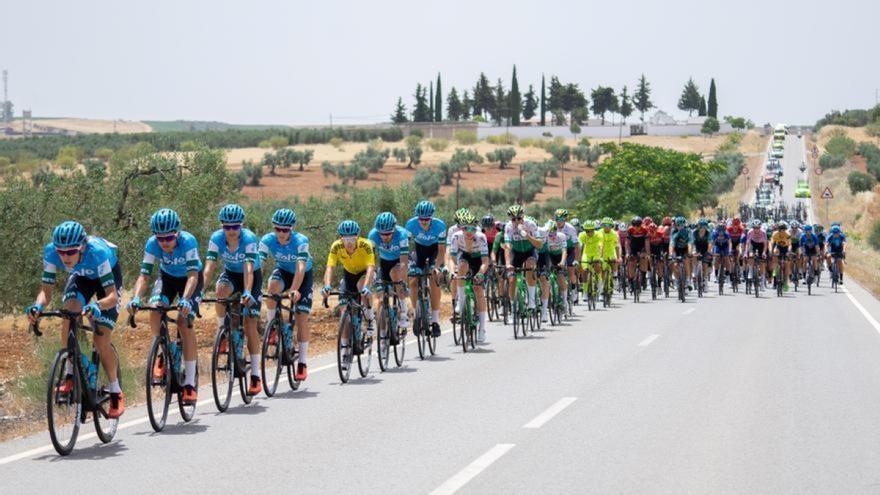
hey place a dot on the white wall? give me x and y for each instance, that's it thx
(607, 131)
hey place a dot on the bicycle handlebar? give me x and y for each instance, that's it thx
(63, 313)
(160, 309)
(349, 295)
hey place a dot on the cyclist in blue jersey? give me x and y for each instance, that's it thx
(392, 243)
(237, 248)
(835, 245)
(429, 237)
(293, 272)
(810, 246)
(180, 277)
(93, 266)
(721, 248)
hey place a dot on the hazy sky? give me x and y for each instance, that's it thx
(299, 61)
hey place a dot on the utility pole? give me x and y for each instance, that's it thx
(520, 199)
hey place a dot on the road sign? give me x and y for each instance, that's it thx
(826, 194)
(815, 154)
(745, 171)
(818, 170)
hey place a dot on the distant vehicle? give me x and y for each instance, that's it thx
(779, 132)
(803, 167)
(799, 134)
(802, 190)
(778, 153)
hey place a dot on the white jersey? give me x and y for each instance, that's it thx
(518, 236)
(476, 246)
(571, 234)
(556, 242)
(452, 230)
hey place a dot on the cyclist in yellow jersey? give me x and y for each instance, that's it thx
(590, 241)
(359, 266)
(780, 242)
(610, 245)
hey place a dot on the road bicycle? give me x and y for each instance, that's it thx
(71, 399)
(391, 338)
(426, 341)
(351, 340)
(228, 361)
(280, 353)
(165, 371)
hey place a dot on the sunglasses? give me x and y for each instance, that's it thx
(386, 234)
(424, 219)
(166, 238)
(282, 230)
(470, 228)
(67, 252)
(349, 238)
(236, 226)
(517, 218)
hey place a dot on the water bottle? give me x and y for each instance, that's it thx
(236, 340)
(93, 376)
(288, 336)
(89, 369)
(175, 355)
(357, 327)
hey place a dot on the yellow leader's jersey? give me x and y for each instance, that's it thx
(356, 262)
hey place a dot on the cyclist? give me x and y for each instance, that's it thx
(721, 249)
(496, 257)
(392, 243)
(292, 273)
(429, 238)
(94, 271)
(809, 244)
(795, 251)
(238, 249)
(470, 249)
(358, 267)
(756, 247)
(701, 237)
(836, 245)
(556, 243)
(591, 242)
(636, 248)
(737, 232)
(679, 247)
(609, 248)
(780, 242)
(573, 247)
(458, 219)
(521, 243)
(180, 277)
(656, 247)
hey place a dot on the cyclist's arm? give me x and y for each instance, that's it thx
(192, 281)
(298, 276)
(484, 266)
(328, 275)
(45, 294)
(368, 277)
(564, 257)
(209, 270)
(248, 275)
(441, 250)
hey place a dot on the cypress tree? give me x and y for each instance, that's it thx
(712, 108)
(543, 97)
(438, 105)
(431, 103)
(702, 110)
(515, 100)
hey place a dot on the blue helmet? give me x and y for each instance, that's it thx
(68, 234)
(808, 228)
(348, 228)
(231, 213)
(425, 209)
(284, 217)
(835, 229)
(385, 222)
(164, 221)
(703, 222)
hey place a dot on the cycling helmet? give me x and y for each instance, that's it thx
(487, 222)
(720, 227)
(515, 211)
(703, 222)
(835, 223)
(737, 221)
(667, 221)
(468, 218)
(499, 226)
(589, 226)
(608, 222)
(795, 224)
(782, 225)
(284, 217)
(636, 221)
(385, 222)
(756, 223)
(531, 219)
(680, 221)
(425, 209)
(835, 229)
(819, 228)
(648, 220)
(348, 228)
(68, 234)
(651, 226)
(808, 228)
(231, 213)
(561, 214)
(575, 222)
(164, 221)
(459, 215)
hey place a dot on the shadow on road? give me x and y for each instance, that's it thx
(244, 410)
(190, 428)
(95, 452)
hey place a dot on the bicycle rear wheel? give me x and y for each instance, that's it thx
(464, 328)
(222, 369)
(63, 410)
(365, 358)
(158, 388)
(245, 374)
(344, 350)
(383, 330)
(272, 358)
(105, 426)
(400, 348)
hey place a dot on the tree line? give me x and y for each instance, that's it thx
(565, 102)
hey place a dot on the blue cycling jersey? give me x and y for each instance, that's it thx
(234, 261)
(835, 242)
(396, 247)
(680, 238)
(809, 240)
(721, 239)
(97, 262)
(184, 258)
(287, 255)
(435, 234)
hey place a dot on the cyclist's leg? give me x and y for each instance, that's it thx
(366, 301)
(302, 308)
(463, 270)
(251, 320)
(531, 264)
(397, 275)
(276, 286)
(223, 289)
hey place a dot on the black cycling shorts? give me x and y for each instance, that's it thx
(236, 281)
(168, 288)
(83, 289)
(304, 305)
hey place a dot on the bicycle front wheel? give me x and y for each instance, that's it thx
(105, 426)
(365, 358)
(222, 370)
(63, 410)
(383, 330)
(158, 387)
(344, 349)
(272, 357)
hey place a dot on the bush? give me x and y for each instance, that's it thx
(501, 155)
(427, 182)
(547, 134)
(438, 144)
(873, 129)
(465, 137)
(584, 141)
(252, 172)
(417, 132)
(506, 138)
(841, 145)
(860, 181)
(336, 142)
(529, 142)
(829, 161)
(874, 236)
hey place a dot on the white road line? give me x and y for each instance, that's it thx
(689, 311)
(128, 424)
(862, 310)
(647, 342)
(551, 411)
(461, 478)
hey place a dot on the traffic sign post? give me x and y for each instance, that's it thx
(818, 170)
(827, 195)
(745, 170)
